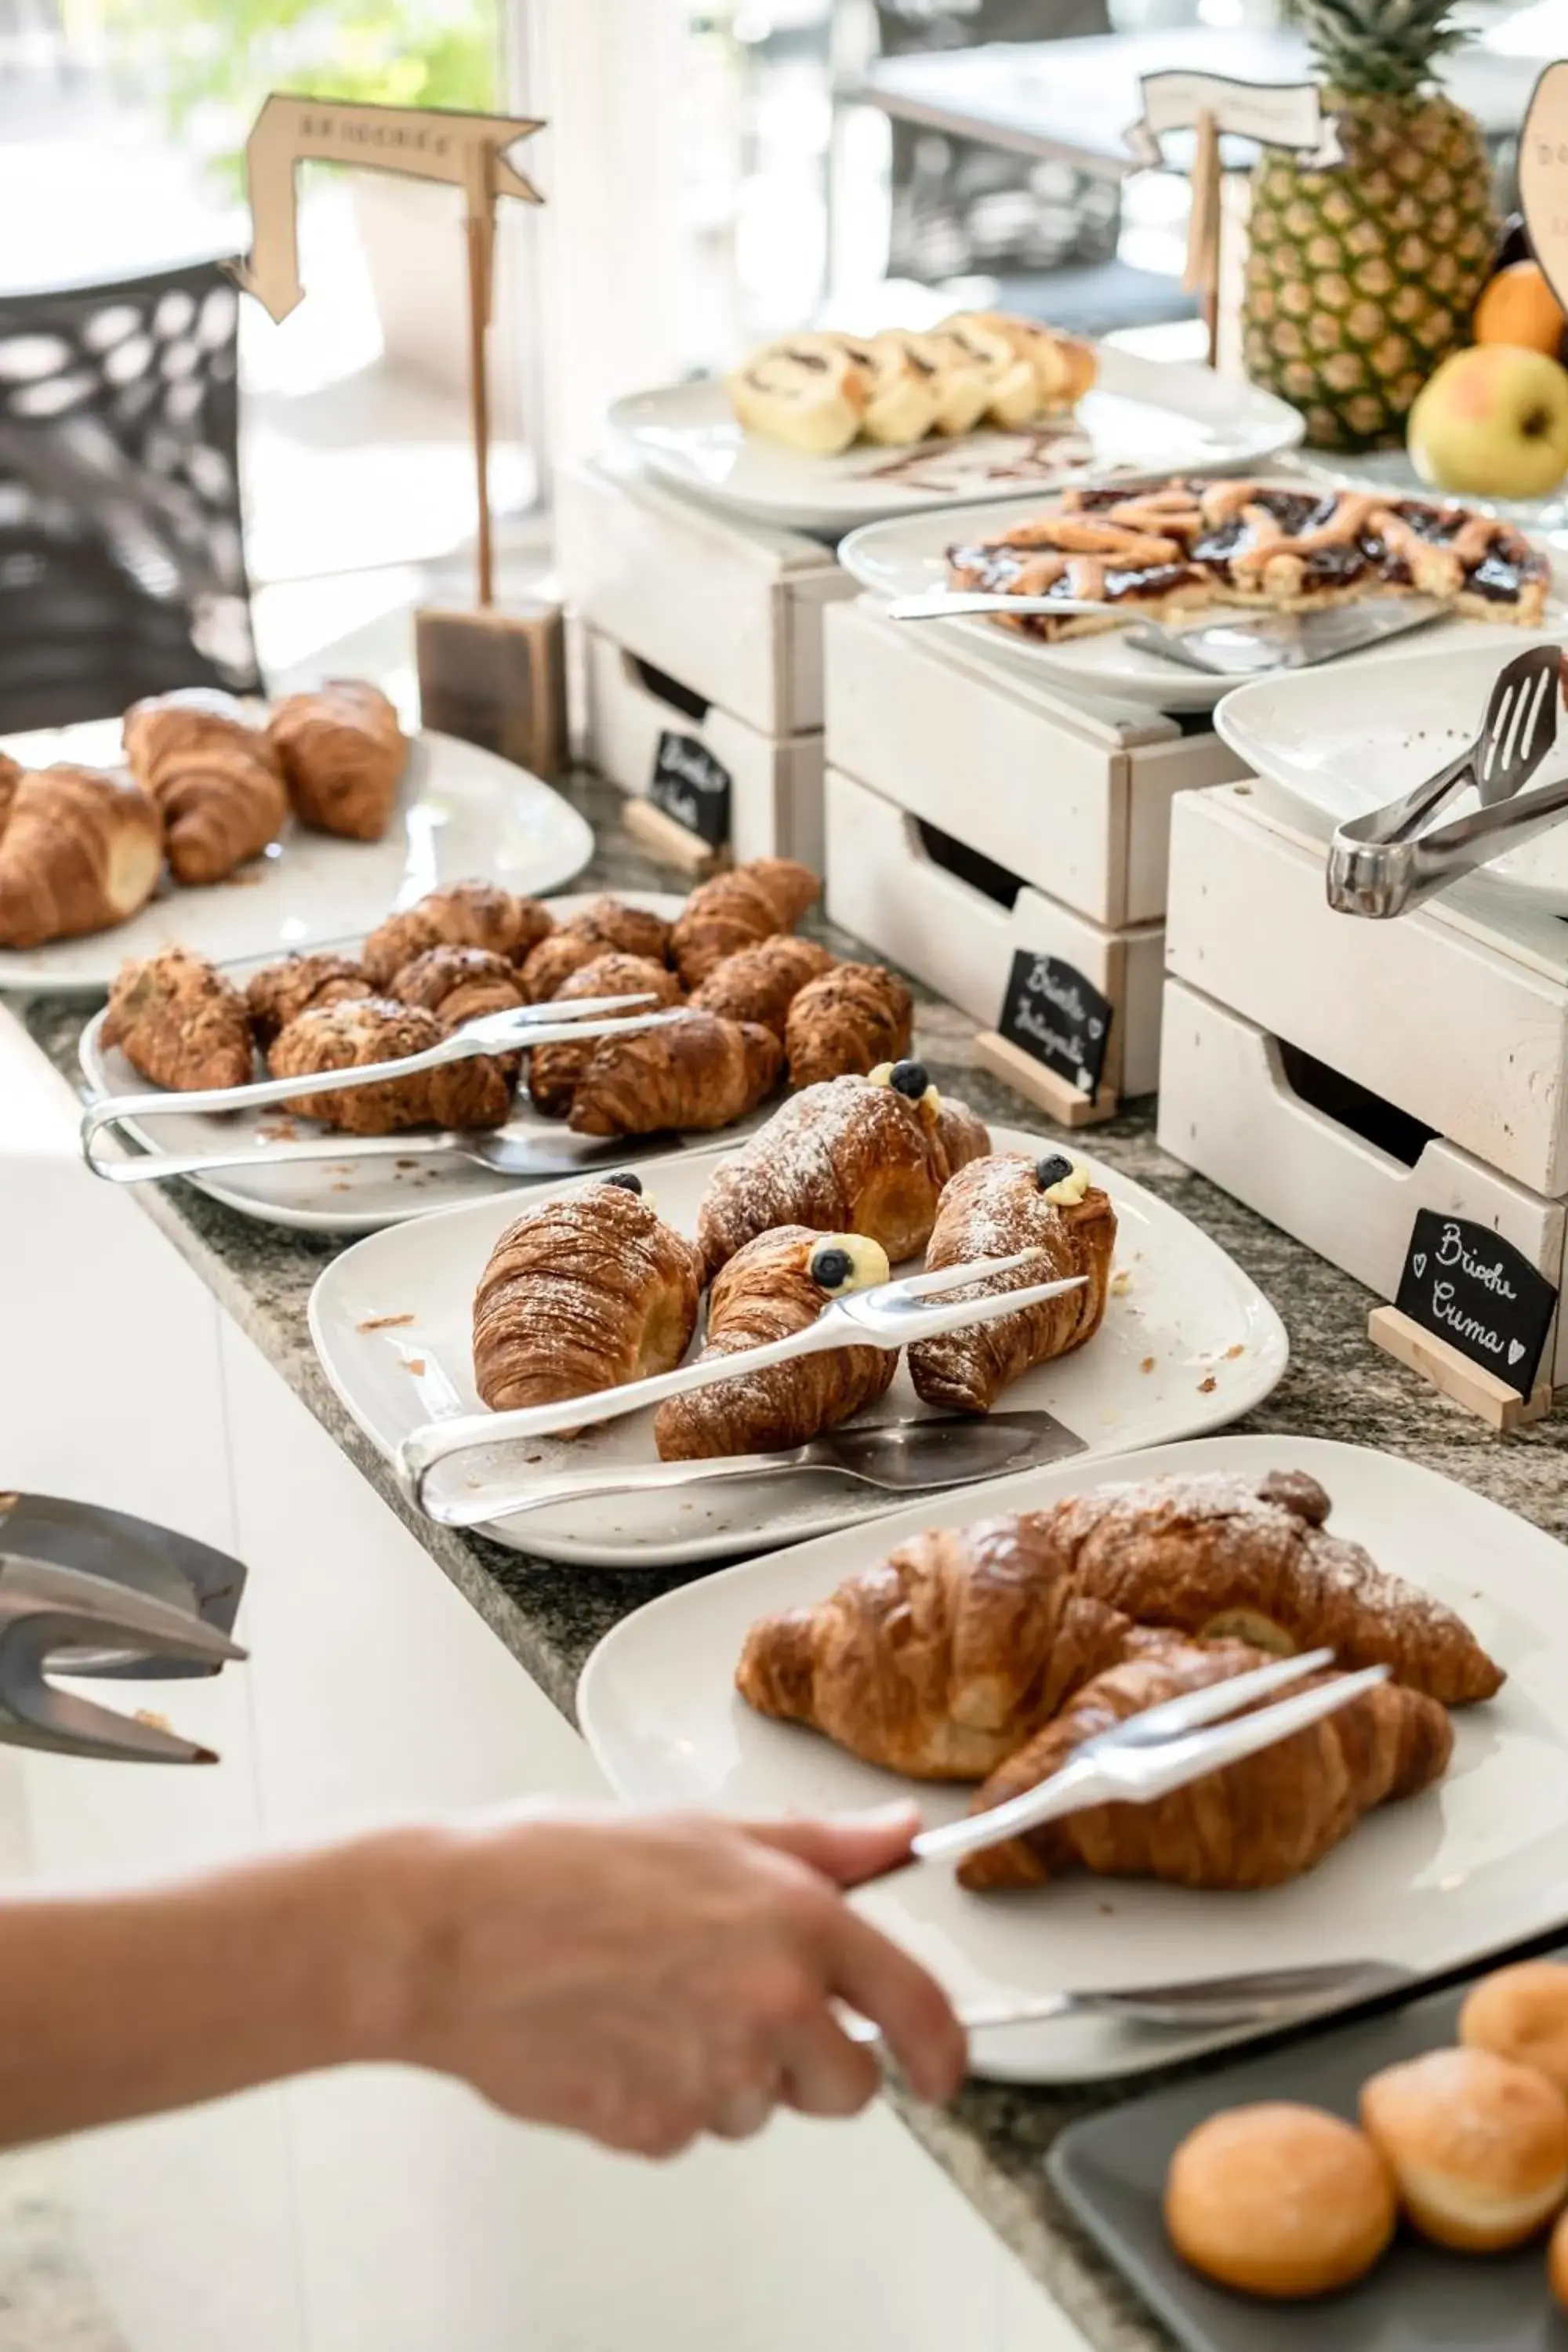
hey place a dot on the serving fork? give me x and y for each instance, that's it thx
(890, 1315)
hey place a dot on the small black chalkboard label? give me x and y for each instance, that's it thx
(688, 784)
(1467, 1286)
(1057, 1017)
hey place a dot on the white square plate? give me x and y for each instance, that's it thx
(1478, 1863)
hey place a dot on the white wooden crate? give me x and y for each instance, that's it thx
(921, 899)
(1335, 1171)
(1074, 796)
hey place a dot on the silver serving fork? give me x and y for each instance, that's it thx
(1382, 863)
(888, 1315)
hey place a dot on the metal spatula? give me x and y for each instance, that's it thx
(1235, 644)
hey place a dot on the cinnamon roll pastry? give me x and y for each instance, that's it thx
(698, 1073)
(993, 1208)
(849, 1021)
(79, 852)
(809, 392)
(960, 386)
(280, 992)
(553, 1071)
(177, 1019)
(359, 1031)
(778, 1284)
(603, 926)
(215, 775)
(735, 910)
(849, 1156)
(583, 1293)
(1031, 371)
(465, 915)
(458, 984)
(761, 983)
(343, 752)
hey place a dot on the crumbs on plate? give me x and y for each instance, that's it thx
(384, 1322)
(415, 1364)
(1121, 1282)
(1207, 1385)
(1231, 1354)
(1147, 1365)
(153, 1720)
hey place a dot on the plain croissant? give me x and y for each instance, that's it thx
(215, 775)
(79, 851)
(343, 752)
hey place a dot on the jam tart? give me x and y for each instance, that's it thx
(1177, 546)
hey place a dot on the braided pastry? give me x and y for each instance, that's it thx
(79, 852)
(280, 992)
(178, 1021)
(214, 774)
(761, 983)
(736, 910)
(847, 1021)
(350, 1034)
(700, 1071)
(343, 752)
(465, 915)
(553, 1071)
(594, 930)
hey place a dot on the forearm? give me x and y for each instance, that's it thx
(122, 2004)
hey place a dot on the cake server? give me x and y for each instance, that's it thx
(1235, 644)
(888, 1315)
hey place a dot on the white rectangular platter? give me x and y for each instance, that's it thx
(1153, 415)
(1475, 1863)
(1188, 1342)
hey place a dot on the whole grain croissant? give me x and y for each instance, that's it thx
(214, 774)
(992, 1208)
(583, 1293)
(736, 910)
(845, 1157)
(458, 984)
(553, 1071)
(280, 991)
(343, 752)
(761, 983)
(767, 1291)
(465, 915)
(699, 1072)
(178, 1021)
(1260, 1823)
(352, 1034)
(79, 852)
(847, 1021)
(595, 930)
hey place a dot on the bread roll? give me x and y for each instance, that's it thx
(1521, 2013)
(1478, 2146)
(1279, 2200)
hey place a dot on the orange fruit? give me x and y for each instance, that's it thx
(1518, 307)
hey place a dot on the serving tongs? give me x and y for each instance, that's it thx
(1383, 864)
(1238, 643)
(890, 1315)
(520, 1030)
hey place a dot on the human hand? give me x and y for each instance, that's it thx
(643, 1980)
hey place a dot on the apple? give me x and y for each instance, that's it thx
(1492, 421)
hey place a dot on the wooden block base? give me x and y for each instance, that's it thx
(1469, 1384)
(670, 843)
(1031, 1080)
(496, 675)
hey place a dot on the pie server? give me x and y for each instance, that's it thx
(1235, 644)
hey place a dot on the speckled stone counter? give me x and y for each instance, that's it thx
(991, 2140)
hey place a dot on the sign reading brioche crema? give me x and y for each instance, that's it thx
(691, 786)
(1275, 114)
(1057, 1017)
(1465, 1285)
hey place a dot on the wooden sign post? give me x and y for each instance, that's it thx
(1543, 175)
(1274, 114)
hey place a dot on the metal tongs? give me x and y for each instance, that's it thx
(1382, 863)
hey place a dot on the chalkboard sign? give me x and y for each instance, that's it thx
(1057, 1017)
(1467, 1286)
(690, 785)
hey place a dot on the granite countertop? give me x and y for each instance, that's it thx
(1338, 1385)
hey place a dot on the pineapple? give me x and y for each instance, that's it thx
(1361, 279)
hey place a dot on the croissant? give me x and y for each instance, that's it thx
(847, 1021)
(458, 984)
(79, 852)
(735, 909)
(992, 1208)
(343, 752)
(594, 930)
(466, 915)
(178, 1021)
(280, 992)
(778, 1284)
(761, 983)
(849, 1156)
(697, 1073)
(553, 1071)
(348, 1036)
(11, 774)
(215, 775)
(583, 1293)
(1260, 1823)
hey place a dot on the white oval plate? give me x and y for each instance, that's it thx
(909, 558)
(333, 1196)
(1383, 731)
(461, 812)
(1154, 414)
(1479, 1862)
(1213, 1344)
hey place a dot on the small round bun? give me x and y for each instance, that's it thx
(1478, 2145)
(1279, 2200)
(1521, 2013)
